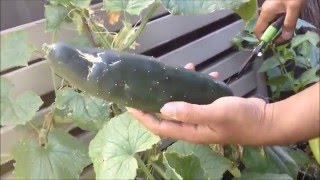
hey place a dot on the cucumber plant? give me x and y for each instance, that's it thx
(121, 147)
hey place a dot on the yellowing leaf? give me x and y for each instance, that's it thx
(113, 17)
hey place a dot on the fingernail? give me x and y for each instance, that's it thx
(286, 35)
(169, 110)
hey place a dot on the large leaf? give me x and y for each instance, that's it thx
(264, 176)
(19, 110)
(271, 159)
(63, 157)
(248, 10)
(299, 156)
(213, 163)
(308, 77)
(183, 166)
(81, 3)
(193, 7)
(112, 150)
(55, 17)
(310, 36)
(16, 50)
(133, 7)
(255, 160)
(268, 64)
(88, 112)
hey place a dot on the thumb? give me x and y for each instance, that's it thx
(185, 112)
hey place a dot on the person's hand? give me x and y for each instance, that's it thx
(227, 120)
(271, 9)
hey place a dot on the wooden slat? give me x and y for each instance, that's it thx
(244, 84)
(36, 77)
(203, 48)
(229, 65)
(170, 27)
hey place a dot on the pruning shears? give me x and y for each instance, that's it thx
(271, 32)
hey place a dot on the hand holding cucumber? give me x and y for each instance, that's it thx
(239, 120)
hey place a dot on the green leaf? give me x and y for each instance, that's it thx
(81, 3)
(55, 16)
(304, 49)
(213, 163)
(299, 156)
(278, 80)
(288, 54)
(248, 10)
(308, 77)
(19, 110)
(264, 176)
(249, 26)
(250, 38)
(194, 7)
(268, 64)
(63, 157)
(61, 2)
(112, 150)
(183, 166)
(133, 7)
(80, 40)
(310, 36)
(16, 50)
(314, 57)
(88, 112)
(255, 160)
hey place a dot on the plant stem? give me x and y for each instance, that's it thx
(143, 167)
(143, 24)
(34, 127)
(54, 81)
(54, 36)
(105, 44)
(160, 171)
(88, 31)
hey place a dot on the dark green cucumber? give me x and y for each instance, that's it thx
(132, 80)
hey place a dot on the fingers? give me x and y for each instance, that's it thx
(175, 130)
(263, 22)
(190, 66)
(269, 12)
(186, 112)
(215, 75)
(290, 22)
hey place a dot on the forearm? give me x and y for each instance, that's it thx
(295, 118)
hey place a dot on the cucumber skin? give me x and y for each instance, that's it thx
(132, 80)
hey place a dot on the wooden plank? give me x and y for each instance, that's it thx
(244, 84)
(203, 48)
(229, 65)
(36, 77)
(170, 27)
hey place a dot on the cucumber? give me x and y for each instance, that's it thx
(132, 80)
